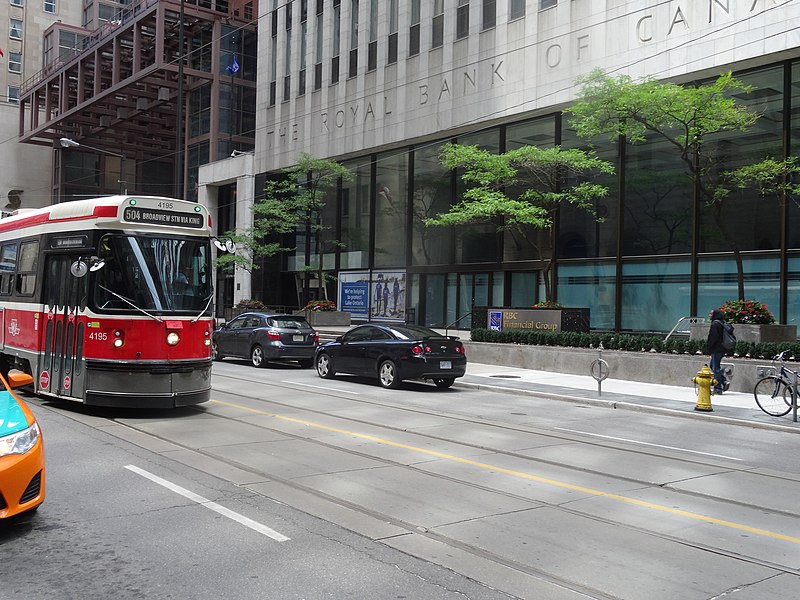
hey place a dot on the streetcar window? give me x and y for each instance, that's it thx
(8, 264)
(153, 274)
(26, 267)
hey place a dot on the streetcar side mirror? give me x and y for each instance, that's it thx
(79, 268)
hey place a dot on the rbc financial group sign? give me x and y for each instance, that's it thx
(540, 319)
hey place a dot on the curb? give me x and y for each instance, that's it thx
(630, 406)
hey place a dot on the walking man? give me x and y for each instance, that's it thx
(715, 347)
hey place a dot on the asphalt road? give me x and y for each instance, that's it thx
(410, 493)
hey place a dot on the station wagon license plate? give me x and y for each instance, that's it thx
(445, 364)
(297, 338)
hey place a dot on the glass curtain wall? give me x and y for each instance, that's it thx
(745, 220)
(476, 242)
(655, 294)
(391, 209)
(432, 193)
(716, 282)
(581, 234)
(355, 215)
(592, 286)
(793, 234)
(528, 243)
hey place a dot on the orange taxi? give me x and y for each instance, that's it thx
(21, 451)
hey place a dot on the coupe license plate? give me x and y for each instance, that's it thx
(297, 338)
(445, 364)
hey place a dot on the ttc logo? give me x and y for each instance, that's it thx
(13, 327)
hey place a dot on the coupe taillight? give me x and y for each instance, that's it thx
(316, 338)
(416, 350)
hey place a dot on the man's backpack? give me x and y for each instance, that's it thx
(728, 339)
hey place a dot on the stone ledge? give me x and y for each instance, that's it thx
(666, 369)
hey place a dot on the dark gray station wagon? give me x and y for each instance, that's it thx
(264, 337)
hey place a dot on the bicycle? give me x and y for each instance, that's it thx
(773, 393)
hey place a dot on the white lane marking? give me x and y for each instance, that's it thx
(225, 512)
(618, 439)
(321, 387)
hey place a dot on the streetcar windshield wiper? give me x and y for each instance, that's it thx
(205, 308)
(126, 301)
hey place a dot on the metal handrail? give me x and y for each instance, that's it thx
(681, 321)
(469, 314)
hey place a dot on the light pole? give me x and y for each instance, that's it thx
(69, 143)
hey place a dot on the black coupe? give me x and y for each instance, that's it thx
(393, 353)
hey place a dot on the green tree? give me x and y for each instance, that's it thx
(685, 117)
(292, 201)
(537, 180)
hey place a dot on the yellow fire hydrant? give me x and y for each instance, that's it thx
(704, 380)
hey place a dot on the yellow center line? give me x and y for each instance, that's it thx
(523, 475)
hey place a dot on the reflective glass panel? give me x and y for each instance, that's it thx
(431, 192)
(391, 208)
(655, 294)
(355, 217)
(717, 283)
(589, 286)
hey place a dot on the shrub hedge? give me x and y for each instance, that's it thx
(632, 343)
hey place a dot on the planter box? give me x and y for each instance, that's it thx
(750, 333)
(326, 318)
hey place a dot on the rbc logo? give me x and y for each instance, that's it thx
(496, 320)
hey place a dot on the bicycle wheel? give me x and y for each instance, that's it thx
(773, 395)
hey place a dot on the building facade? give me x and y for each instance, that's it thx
(24, 183)
(380, 85)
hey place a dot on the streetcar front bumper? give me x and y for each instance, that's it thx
(128, 384)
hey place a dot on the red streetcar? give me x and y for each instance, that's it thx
(108, 301)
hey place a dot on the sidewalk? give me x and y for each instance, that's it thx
(731, 407)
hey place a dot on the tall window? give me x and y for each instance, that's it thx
(273, 79)
(15, 62)
(16, 2)
(437, 34)
(413, 32)
(462, 19)
(337, 40)
(353, 65)
(393, 13)
(13, 94)
(543, 4)
(15, 29)
(318, 48)
(489, 17)
(301, 90)
(50, 6)
(287, 62)
(372, 49)
(516, 9)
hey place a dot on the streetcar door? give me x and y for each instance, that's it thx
(61, 363)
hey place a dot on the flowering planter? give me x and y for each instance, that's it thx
(326, 318)
(750, 333)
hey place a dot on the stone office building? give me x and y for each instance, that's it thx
(380, 84)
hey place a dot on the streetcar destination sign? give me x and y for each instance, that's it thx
(151, 216)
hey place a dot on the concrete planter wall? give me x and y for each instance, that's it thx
(750, 333)
(326, 318)
(667, 369)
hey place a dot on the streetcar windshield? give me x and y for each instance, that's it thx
(153, 274)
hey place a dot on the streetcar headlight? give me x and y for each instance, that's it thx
(118, 343)
(207, 342)
(19, 442)
(173, 338)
